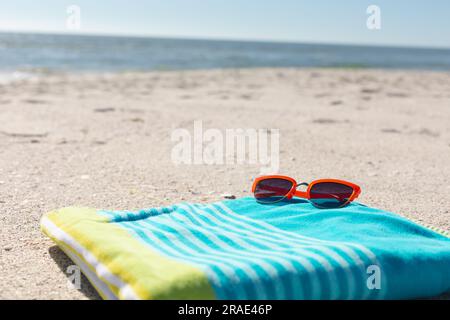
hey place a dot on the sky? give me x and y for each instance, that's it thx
(418, 23)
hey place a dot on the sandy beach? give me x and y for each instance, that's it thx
(104, 141)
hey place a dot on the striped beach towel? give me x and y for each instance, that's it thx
(240, 249)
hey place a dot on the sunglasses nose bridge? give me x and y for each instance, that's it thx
(302, 184)
(292, 191)
(298, 193)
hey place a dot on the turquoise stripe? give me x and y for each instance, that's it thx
(219, 280)
(300, 262)
(323, 277)
(237, 241)
(230, 245)
(251, 251)
(333, 286)
(225, 246)
(118, 216)
(251, 285)
(357, 278)
(309, 279)
(255, 274)
(269, 269)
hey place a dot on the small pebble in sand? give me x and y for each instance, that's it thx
(104, 110)
(228, 196)
(99, 142)
(336, 102)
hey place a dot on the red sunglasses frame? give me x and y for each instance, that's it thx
(307, 194)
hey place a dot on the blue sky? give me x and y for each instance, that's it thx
(403, 22)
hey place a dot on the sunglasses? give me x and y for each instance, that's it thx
(323, 193)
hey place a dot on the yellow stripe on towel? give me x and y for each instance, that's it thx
(127, 266)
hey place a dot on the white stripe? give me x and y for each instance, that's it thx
(278, 251)
(172, 252)
(208, 271)
(252, 250)
(98, 284)
(282, 234)
(368, 253)
(240, 255)
(269, 236)
(101, 271)
(274, 244)
(306, 242)
(323, 260)
(204, 229)
(252, 275)
(200, 262)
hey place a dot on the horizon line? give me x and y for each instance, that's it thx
(220, 38)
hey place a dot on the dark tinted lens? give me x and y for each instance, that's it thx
(272, 190)
(330, 194)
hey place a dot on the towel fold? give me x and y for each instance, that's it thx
(240, 249)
